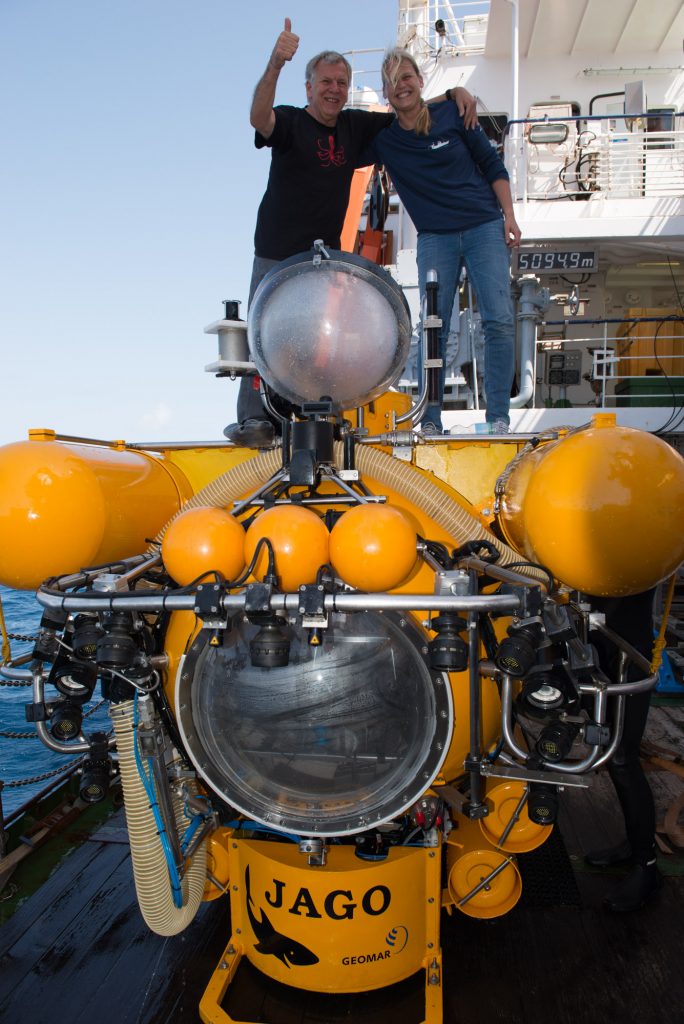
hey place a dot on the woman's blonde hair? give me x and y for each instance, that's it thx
(390, 72)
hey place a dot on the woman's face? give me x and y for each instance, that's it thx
(404, 93)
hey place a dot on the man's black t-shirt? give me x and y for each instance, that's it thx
(308, 184)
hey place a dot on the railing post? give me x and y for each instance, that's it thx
(605, 366)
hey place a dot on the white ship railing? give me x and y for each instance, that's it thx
(429, 28)
(581, 158)
(608, 375)
(366, 79)
(462, 30)
(614, 376)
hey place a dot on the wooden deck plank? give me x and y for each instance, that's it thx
(170, 974)
(106, 965)
(39, 923)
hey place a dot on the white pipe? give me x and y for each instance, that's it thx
(527, 317)
(515, 60)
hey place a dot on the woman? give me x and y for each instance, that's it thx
(455, 189)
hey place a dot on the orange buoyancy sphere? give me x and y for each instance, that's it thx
(300, 542)
(64, 507)
(373, 547)
(203, 540)
(604, 509)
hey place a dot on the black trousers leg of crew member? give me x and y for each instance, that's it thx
(632, 618)
(630, 782)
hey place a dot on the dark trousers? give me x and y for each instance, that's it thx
(249, 404)
(632, 618)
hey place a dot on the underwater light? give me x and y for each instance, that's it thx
(117, 648)
(346, 736)
(548, 688)
(448, 651)
(94, 781)
(96, 771)
(545, 697)
(75, 680)
(518, 651)
(65, 720)
(270, 648)
(87, 631)
(555, 740)
(542, 803)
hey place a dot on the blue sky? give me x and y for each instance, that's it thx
(129, 186)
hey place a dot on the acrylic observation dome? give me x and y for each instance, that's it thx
(336, 327)
(346, 736)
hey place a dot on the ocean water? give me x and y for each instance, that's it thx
(25, 758)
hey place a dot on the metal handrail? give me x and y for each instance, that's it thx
(602, 159)
(547, 119)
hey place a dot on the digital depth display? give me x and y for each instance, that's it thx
(548, 261)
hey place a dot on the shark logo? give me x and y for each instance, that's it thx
(272, 943)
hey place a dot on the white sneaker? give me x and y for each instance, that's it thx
(499, 427)
(429, 430)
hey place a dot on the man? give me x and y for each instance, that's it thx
(314, 152)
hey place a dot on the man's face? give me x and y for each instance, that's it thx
(327, 93)
(404, 93)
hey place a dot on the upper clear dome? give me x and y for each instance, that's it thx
(336, 328)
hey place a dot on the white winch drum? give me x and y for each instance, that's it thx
(345, 737)
(338, 328)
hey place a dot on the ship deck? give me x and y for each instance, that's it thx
(79, 951)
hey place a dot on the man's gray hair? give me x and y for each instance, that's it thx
(327, 57)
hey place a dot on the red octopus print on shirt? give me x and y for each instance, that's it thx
(329, 155)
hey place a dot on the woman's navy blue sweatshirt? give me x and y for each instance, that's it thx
(443, 178)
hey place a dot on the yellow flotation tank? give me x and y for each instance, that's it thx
(67, 506)
(602, 508)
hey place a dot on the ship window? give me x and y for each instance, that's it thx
(544, 134)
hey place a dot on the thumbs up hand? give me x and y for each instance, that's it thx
(285, 47)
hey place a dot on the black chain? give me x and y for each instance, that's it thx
(96, 708)
(22, 638)
(45, 775)
(16, 682)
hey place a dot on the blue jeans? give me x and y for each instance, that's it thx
(249, 404)
(485, 254)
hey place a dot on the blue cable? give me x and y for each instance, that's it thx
(493, 754)
(195, 823)
(154, 805)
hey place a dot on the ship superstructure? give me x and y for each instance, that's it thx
(584, 102)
